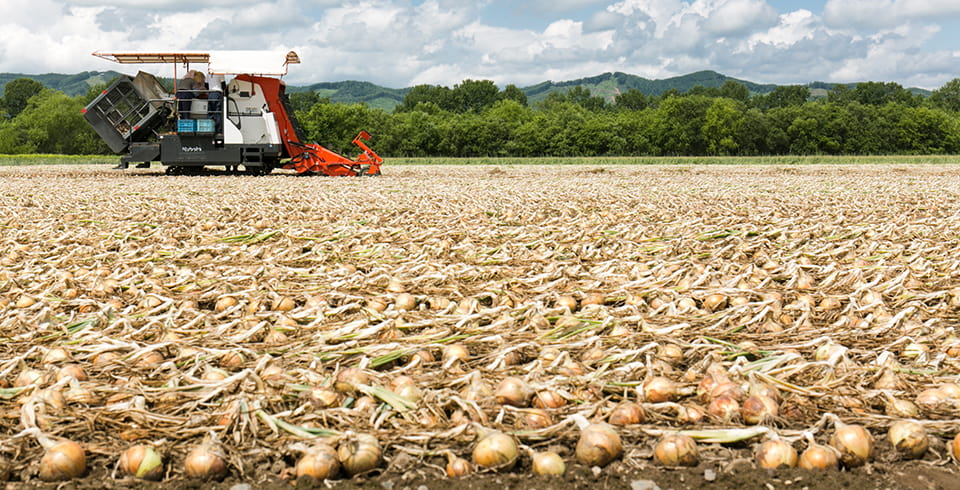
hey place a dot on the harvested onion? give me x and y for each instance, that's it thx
(659, 389)
(626, 413)
(548, 463)
(319, 462)
(854, 443)
(64, 460)
(359, 453)
(599, 444)
(143, 462)
(776, 454)
(677, 450)
(205, 462)
(496, 450)
(759, 409)
(513, 391)
(457, 467)
(909, 438)
(819, 457)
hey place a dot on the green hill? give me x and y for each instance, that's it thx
(607, 85)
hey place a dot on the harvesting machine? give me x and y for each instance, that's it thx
(244, 124)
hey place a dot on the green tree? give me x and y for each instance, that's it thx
(512, 92)
(782, 96)
(632, 100)
(52, 122)
(678, 125)
(474, 95)
(441, 96)
(880, 93)
(18, 92)
(722, 124)
(948, 96)
(304, 101)
(735, 90)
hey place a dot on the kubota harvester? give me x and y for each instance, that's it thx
(244, 123)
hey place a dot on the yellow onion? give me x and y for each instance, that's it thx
(405, 301)
(758, 409)
(72, 370)
(496, 450)
(205, 462)
(626, 413)
(659, 389)
(548, 463)
(359, 453)
(714, 376)
(513, 391)
(283, 303)
(671, 353)
(776, 454)
(956, 448)
(690, 414)
(536, 418)
(818, 457)
(143, 462)
(854, 443)
(457, 467)
(568, 302)
(225, 303)
(320, 462)
(909, 438)
(64, 460)
(677, 450)
(321, 397)
(349, 379)
(952, 390)
(548, 399)
(455, 352)
(599, 444)
(724, 408)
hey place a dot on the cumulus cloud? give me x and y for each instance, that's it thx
(399, 43)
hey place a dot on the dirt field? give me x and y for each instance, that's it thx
(139, 308)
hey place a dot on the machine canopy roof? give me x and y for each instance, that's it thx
(219, 62)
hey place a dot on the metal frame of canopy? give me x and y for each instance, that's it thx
(220, 62)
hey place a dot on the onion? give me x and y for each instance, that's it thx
(659, 389)
(455, 352)
(349, 379)
(671, 353)
(321, 397)
(231, 360)
(819, 457)
(909, 438)
(513, 391)
(932, 399)
(72, 370)
(143, 462)
(599, 444)
(956, 448)
(714, 302)
(854, 443)
(677, 450)
(359, 453)
(626, 413)
(536, 418)
(548, 463)
(951, 389)
(568, 302)
(728, 388)
(759, 409)
(64, 460)
(457, 467)
(205, 462)
(224, 303)
(714, 376)
(548, 399)
(776, 454)
(405, 302)
(283, 303)
(496, 450)
(690, 414)
(319, 462)
(724, 408)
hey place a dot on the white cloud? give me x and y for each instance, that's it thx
(398, 43)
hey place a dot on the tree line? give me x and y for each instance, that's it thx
(478, 119)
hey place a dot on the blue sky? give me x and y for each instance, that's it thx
(399, 43)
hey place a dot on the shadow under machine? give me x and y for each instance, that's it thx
(244, 124)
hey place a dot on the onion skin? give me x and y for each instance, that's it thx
(599, 444)
(548, 463)
(205, 463)
(659, 389)
(359, 453)
(854, 443)
(677, 450)
(626, 413)
(319, 462)
(819, 457)
(513, 391)
(64, 460)
(458, 467)
(772, 455)
(909, 438)
(496, 450)
(758, 409)
(142, 462)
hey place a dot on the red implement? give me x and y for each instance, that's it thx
(312, 157)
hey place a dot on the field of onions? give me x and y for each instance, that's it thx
(624, 327)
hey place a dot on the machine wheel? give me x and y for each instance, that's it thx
(264, 169)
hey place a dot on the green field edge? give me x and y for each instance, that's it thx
(13, 160)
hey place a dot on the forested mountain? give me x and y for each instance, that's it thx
(607, 85)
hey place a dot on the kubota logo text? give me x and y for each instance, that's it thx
(190, 149)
